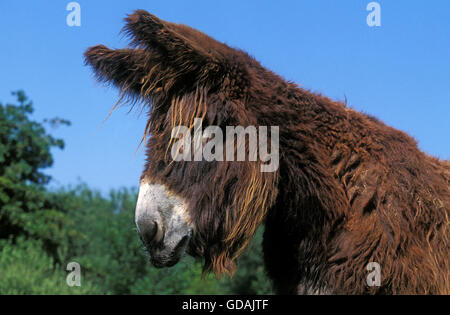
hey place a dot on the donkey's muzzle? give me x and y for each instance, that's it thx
(163, 224)
(148, 231)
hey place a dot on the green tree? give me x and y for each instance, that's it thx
(25, 206)
(25, 268)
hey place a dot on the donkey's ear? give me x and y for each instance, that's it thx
(166, 58)
(181, 52)
(149, 32)
(125, 68)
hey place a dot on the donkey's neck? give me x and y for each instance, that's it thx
(315, 119)
(312, 128)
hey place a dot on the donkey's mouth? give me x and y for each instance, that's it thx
(162, 223)
(167, 256)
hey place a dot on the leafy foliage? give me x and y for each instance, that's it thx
(25, 268)
(25, 208)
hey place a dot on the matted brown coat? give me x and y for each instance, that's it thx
(349, 189)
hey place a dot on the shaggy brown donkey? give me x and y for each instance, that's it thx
(349, 190)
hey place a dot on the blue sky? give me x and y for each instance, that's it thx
(399, 72)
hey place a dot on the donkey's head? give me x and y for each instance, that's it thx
(210, 208)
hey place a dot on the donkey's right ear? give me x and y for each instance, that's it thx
(181, 54)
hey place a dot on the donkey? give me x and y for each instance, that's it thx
(350, 192)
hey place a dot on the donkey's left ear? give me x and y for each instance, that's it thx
(125, 68)
(166, 58)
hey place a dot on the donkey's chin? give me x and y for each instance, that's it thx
(168, 256)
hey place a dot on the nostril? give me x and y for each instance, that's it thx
(147, 231)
